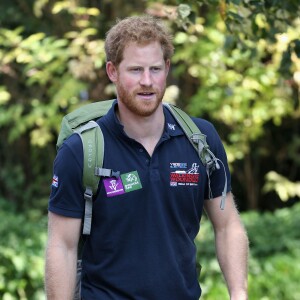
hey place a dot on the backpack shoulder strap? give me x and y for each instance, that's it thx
(198, 140)
(81, 121)
(93, 155)
(82, 115)
(195, 136)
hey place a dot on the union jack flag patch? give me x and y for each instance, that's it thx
(55, 181)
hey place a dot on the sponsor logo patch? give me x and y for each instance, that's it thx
(181, 177)
(178, 165)
(128, 182)
(113, 186)
(131, 181)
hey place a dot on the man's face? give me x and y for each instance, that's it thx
(140, 78)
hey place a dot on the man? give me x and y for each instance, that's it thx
(142, 240)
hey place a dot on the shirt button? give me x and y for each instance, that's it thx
(147, 161)
(141, 150)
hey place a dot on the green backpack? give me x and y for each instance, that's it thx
(82, 122)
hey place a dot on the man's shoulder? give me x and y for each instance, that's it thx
(72, 141)
(71, 147)
(209, 130)
(205, 126)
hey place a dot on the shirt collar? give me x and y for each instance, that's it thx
(171, 125)
(111, 121)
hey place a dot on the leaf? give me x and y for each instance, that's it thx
(89, 31)
(235, 17)
(33, 38)
(285, 188)
(59, 6)
(222, 9)
(93, 11)
(4, 96)
(184, 10)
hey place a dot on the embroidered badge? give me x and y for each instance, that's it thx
(185, 178)
(126, 183)
(178, 165)
(131, 181)
(113, 186)
(55, 181)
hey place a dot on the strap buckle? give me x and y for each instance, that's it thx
(88, 194)
(106, 172)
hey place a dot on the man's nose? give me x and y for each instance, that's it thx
(146, 79)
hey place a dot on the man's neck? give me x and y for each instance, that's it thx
(145, 130)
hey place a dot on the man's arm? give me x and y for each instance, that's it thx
(231, 245)
(61, 256)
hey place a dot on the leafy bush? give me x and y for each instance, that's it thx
(275, 277)
(274, 266)
(23, 237)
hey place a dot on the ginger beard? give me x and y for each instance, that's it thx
(135, 103)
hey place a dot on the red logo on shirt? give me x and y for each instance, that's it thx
(189, 177)
(184, 177)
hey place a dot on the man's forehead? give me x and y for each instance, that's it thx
(141, 53)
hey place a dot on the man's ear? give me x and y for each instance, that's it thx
(168, 64)
(111, 71)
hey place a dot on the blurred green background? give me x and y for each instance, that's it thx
(236, 63)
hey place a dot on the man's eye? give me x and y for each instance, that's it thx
(136, 70)
(156, 69)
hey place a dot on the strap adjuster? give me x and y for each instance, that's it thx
(106, 172)
(88, 194)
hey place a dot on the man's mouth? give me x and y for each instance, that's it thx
(146, 93)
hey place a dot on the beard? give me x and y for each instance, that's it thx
(140, 107)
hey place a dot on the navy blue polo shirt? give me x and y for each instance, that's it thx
(144, 223)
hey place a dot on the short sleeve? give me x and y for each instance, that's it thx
(66, 197)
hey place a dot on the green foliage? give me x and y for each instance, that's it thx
(284, 188)
(277, 231)
(237, 87)
(274, 267)
(53, 70)
(44, 74)
(260, 19)
(23, 238)
(276, 277)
